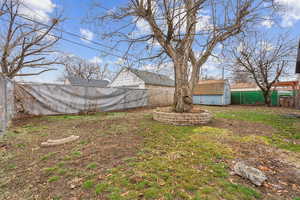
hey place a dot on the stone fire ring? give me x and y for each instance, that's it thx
(182, 119)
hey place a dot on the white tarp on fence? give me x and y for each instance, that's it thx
(51, 99)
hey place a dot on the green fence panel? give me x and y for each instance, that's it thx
(252, 98)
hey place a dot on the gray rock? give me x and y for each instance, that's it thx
(256, 176)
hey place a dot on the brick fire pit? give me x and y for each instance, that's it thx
(199, 117)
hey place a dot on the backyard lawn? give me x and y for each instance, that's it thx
(127, 155)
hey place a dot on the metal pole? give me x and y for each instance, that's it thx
(1, 105)
(298, 78)
(5, 104)
(297, 93)
(223, 73)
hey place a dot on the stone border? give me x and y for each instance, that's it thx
(182, 119)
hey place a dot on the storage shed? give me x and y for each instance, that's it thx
(212, 92)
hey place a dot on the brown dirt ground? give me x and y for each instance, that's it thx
(102, 143)
(117, 143)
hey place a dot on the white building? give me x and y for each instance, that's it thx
(134, 78)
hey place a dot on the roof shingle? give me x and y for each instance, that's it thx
(153, 78)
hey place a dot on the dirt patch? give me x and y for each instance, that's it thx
(283, 178)
(34, 172)
(241, 127)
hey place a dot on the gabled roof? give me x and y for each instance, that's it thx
(210, 87)
(153, 78)
(76, 81)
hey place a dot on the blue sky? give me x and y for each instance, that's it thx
(75, 11)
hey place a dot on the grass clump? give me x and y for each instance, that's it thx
(48, 156)
(100, 188)
(286, 127)
(89, 184)
(92, 166)
(50, 170)
(244, 192)
(76, 153)
(53, 179)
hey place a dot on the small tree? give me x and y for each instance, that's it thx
(240, 76)
(78, 67)
(266, 60)
(186, 31)
(25, 44)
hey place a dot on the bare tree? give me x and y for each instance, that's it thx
(25, 46)
(184, 32)
(265, 59)
(78, 67)
(240, 76)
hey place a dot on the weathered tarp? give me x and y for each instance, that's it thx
(50, 99)
(6, 102)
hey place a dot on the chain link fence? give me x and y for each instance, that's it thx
(6, 103)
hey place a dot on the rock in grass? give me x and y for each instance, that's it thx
(50, 143)
(256, 176)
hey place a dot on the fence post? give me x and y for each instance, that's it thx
(3, 104)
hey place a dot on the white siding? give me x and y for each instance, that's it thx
(127, 79)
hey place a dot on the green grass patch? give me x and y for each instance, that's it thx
(76, 117)
(89, 184)
(244, 192)
(286, 127)
(76, 153)
(53, 179)
(65, 117)
(11, 166)
(50, 170)
(175, 163)
(48, 156)
(62, 171)
(92, 166)
(100, 188)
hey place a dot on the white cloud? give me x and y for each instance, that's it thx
(264, 45)
(96, 60)
(292, 13)
(47, 37)
(37, 9)
(120, 61)
(87, 34)
(143, 27)
(204, 23)
(268, 23)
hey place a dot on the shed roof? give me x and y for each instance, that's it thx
(210, 87)
(287, 83)
(243, 85)
(76, 81)
(153, 78)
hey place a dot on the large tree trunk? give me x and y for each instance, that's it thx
(183, 101)
(267, 97)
